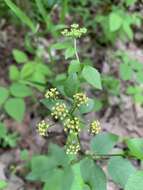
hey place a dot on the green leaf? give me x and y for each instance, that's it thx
(128, 30)
(135, 182)
(130, 2)
(61, 45)
(4, 93)
(19, 56)
(20, 90)
(115, 22)
(21, 15)
(103, 143)
(125, 71)
(93, 175)
(92, 76)
(139, 77)
(71, 85)
(78, 182)
(14, 73)
(87, 108)
(3, 130)
(3, 184)
(120, 170)
(27, 70)
(15, 107)
(74, 67)
(135, 146)
(69, 52)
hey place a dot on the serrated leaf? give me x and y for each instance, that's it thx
(20, 90)
(19, 56)
(135, 182)
(115, 22)
(120, 170)
(71, 85)
(135, 146)
(74, 67)
(4, 93)
(125, 71)
(27, 70)
(93, 175)
(14, 73)
(103, 143)
(15, 107)
(69, 52)
(92, 76)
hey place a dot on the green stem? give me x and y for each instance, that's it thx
(75, 48)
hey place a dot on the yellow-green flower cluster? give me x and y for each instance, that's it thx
(80, 98)
(95, 127)
(72, 148)
(74, 31)
(72, 125)
(59, 111)
(52, 93)
(43, 128)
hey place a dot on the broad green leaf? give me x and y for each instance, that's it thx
(72, 84)
(93, 175)
(19, 56)
(139, 77)
(43, 69)
(130, 2)
(135, 146)
(61, 45)
(14, 73)
(115, 22)
(15, 107)
(21, 15)
(135, 182)
(27, 70)
(59, 180)
(103, 143)
(138, 98)
(3, 184)
(20, 90)
(128, 30)
(120, 170)
(92, 76)
(87, 108)
(78, 182)
(74, 67)
(4, 93)
(69, 52)
(125, 71)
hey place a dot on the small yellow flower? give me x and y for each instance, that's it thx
(43, 128)
(80, 98)
(95, 127)
(52, 93)
(73, 125)
(59, 111)
(74, 31)
(72, 148)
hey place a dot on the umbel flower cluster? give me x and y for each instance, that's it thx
(74, 31)
(59, 111)
(95, 127)
(80, 98)
(66, 114)
(72, 125)
(43, 128)
(52, 93)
